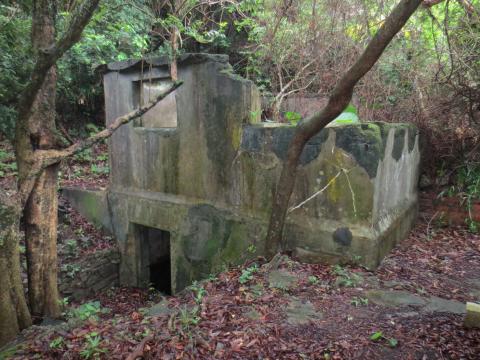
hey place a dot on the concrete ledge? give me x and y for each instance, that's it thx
(93, 204)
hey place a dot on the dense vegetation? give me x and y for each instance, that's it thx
(429, 75)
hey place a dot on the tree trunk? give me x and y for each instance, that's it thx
(41, 240)
(40, 213)
(276, 111)
(338, 101)
(14, 314)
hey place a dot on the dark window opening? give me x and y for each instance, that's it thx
(156, 264)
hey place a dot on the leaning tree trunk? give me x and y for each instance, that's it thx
(40, 213)
(338, 101)
(14, 314)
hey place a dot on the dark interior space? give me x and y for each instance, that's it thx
(160, 275)
(156, 258)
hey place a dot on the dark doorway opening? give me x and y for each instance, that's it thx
(155, 244)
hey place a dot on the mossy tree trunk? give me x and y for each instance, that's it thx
(338, 101)
(37, 150)
(35, 133)
(41, 209)
(14, 314)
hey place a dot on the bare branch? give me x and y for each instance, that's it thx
(338, 101)
(50, 157)
(45, 158)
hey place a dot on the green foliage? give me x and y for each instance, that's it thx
(196, 30)
(189, 317)
(97, 169)
(467, 188)
(348, 116)
(8, 166)
(88, 310)
(346, 278)
(71, 248)
(473, 226)
(70, 270)
(358, 301)
(92, 129)
(247, 274)
(92, 349)
(15, 62)
(199, 292)
(292, 117)
(392, 342)
(98, 161)
(63, 302)
(378, 335)
(57, 343)
(117, 31)
(313, 280)
(84, 155)
(252, 248)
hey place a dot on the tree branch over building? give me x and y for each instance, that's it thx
(337, 102)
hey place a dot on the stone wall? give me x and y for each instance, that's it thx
(95, 272)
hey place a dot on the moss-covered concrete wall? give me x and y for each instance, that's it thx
(209, 182)
(364, 177)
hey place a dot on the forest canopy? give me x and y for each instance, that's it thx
(428, 75)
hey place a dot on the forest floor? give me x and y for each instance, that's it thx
(411, 307)
(88, 169)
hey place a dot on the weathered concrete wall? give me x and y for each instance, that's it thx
(93, 204)
(204, 238)
(209, 181)
(369, 207)
(194, 159)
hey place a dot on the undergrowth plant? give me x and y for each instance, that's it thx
(358, 301)
(187, 318)
(346, 278)
(378, 336)
(198, 292)
(92, 348)
(57, 343)
(89, 310)
(247, 274)
(467, 188)
(7, 164)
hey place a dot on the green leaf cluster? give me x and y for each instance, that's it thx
(15, 62)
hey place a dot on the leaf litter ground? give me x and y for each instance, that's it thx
(225, 318)
(323, 314)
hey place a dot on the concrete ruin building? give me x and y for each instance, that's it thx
(191, 182)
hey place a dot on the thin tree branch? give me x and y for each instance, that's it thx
(50, 157)
(45, 158)
(337, 102)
